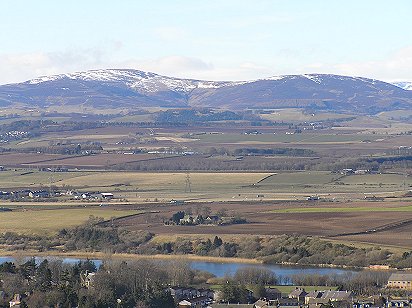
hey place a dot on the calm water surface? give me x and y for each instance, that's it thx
(222, 269)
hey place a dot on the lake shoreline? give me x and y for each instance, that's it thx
(219, 267)
(125, 256)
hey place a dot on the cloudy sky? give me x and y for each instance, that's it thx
(214, 39)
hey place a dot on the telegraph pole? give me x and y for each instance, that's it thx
(188, 183)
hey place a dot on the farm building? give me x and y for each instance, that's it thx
(39, 194)
(4, 194)
(400, 281)
(362, 171)
(212, 219)
(107, 196)
(177, 202)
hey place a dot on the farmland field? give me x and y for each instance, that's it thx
(378, 179)
(32, 179)
(282, 138)
(140, 187)
(48, 221)
(298, 178)
(296, 115)
(328, 220)
(7, 159)
(262, 173)
(347, 209)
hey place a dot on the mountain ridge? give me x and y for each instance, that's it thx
(134, 88)
(406, 85)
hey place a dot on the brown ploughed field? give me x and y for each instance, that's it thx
(339, 221)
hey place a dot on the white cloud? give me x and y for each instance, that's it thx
(396, 67)
(20, 67)
(195, 68)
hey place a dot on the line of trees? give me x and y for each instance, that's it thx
(98, 236)
(140, 283)
(275, 151)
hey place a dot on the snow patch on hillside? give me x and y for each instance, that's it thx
(406, 85)
(146, 82)
(44, 79)
(314, 78)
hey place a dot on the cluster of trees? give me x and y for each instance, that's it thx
(215, 248)
(371, 163)
(193, 116)
(141, 283)
(14, 241)
(96, 235)
(306, 250)
(360, 283)
(48, 283)
(283, 249)
(35, 127)
(405, 261)
(236, 288)
(278, 151)
(207, 162)
(235, 293)
(67, 149)
(92, 236)
(363, 282)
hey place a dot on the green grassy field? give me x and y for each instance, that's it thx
(49, 221)
(377, 179)
(133, 118)
(395, 114)
(282, 138)
(210, 186)
(296, 115)
(299, 178)
(407, 208)
(165, 180)
(33, 178)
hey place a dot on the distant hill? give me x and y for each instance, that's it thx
(406, 85)
(113, 88)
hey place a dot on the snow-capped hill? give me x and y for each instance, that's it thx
(135, 79)
(150, 82)
(44, 79)
(128, 88)
(406, 85)
(109, 75)
(320, 78)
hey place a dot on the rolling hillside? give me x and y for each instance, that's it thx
(127, 88)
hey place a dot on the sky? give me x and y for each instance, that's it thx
(211, 40)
